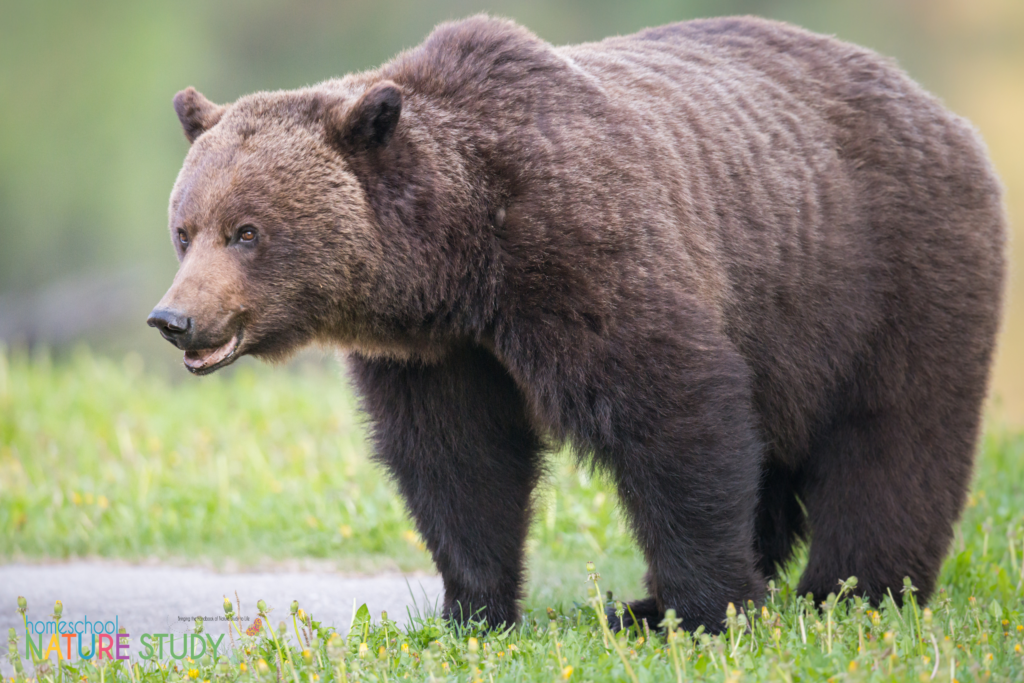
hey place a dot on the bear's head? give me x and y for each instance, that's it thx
(271, 226)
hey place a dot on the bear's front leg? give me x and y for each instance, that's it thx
(456, 439)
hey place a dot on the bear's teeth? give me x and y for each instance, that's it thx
(201, 358)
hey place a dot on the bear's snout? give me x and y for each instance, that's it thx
(174, 325)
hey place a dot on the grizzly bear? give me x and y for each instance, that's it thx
(752, 273)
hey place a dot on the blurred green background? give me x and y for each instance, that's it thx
(89, 143)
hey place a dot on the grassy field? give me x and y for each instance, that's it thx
(100, 458)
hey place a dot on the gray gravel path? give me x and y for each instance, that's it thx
(162, 599)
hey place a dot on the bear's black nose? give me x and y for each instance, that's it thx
(176, 327)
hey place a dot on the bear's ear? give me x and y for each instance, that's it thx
(371, 121)
(196, 113)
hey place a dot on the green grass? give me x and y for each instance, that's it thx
(100, 458)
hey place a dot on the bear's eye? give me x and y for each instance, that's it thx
(246, 233)
(183, 237)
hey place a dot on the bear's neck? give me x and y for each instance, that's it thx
(455, 196)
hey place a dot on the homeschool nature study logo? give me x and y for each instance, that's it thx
(107, 639)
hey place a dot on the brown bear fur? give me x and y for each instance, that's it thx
(747, 269)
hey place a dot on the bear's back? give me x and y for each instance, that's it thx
(798, 161)
(761, 86)
(814, 194)
(800, 191)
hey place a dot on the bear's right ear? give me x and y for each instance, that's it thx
(196, 113)
(371, 121)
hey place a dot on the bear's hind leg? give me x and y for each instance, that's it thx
(687, 463)
(456, 439)
(636, 612)
(695, 522)
(780, 520)
(882, 493)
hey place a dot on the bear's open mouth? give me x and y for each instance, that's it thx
(203, 361)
